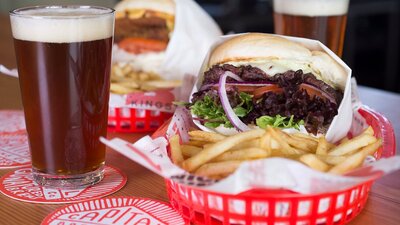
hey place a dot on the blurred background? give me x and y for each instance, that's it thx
(372, 39)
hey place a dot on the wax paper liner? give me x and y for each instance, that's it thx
(193, 34)
(271, 172)
(341, 122)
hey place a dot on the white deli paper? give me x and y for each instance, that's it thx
(194, 32)
(341, 122)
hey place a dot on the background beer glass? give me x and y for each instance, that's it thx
(64, 58)
(324, 20)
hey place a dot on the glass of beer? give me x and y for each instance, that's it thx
(64, 61)
(323, 20)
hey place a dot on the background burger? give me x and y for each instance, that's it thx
(143, 29)
(259, 79)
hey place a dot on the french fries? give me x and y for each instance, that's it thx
(176, 152)
(322, 147)
(125, 80)
(351, 146)
(218, 169)
(205, 136)
(245, 154)
(218, 148)
(285, 147)
(331, 160)
(217, 156)
(190, 150)
(349, 163)
(314, 162)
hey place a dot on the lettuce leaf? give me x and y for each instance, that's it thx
(278, 121)
(211, 110)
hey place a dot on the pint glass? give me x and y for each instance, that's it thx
(64, 57)
(323, 20)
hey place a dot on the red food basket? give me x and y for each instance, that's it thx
(277, 207)
(135, 120)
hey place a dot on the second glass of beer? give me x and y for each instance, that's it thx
(64, 57)
(323, 20)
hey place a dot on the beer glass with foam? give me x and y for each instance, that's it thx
(64, 57)
(323, 20)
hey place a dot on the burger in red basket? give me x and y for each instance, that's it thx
(142, 31)
(259, 79)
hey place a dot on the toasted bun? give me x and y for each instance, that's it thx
(165, 6)
(256, 46)
(280, 55)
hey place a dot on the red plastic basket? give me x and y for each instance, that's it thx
(277, 207)
(135, 120)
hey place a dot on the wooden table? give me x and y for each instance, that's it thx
(382, 208)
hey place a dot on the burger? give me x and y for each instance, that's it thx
(144, 26)
(143, 29)
(264, 80)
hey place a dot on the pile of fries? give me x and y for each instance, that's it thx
(217, 156)
(125, 80)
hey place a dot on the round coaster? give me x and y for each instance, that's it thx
(14, 150)
(20, 186)
(115, 210)
(11, 120)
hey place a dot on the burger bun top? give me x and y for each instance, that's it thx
(165, 6)
(266, 49)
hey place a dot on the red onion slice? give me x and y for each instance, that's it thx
(230, 114)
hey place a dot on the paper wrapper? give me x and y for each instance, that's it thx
(193, 34)
(341, 122)
(270, 173)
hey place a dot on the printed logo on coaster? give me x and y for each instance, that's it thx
(11, 121)
(115, 210)
(14, 150)
(19, 185)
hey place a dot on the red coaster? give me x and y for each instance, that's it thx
(19, 185)
(115, 210)
(14, 150)
(14, 147)
(11, 120)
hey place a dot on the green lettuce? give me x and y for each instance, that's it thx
(278, 121)
(214, 114)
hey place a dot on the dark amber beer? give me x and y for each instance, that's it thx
(64, 57)
(323, 20)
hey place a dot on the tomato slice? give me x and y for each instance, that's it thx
(247, 89)
(142, 45)
(257, 93)
(313, 91)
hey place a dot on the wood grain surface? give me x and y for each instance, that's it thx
(382, 208)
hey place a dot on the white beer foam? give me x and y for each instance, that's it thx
(62, 25)
(311, 7)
